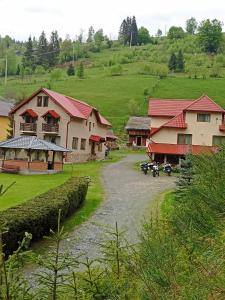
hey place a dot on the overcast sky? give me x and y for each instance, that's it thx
(21, 18)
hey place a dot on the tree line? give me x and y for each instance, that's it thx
(38, 55)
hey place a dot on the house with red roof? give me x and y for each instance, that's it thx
(184, 126)
(62, 120)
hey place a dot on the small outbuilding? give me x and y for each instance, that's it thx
(28, 154)
(138, 129)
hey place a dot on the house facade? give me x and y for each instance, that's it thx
(62, 120)
(182, 126)
(5, 108)
(138, 130)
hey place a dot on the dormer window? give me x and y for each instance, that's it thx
(39, 101)
(203, 117)
(42, 101)
(45, 102)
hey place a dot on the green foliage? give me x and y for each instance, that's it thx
(39, 70)
(42, 51)
(191, 25)
(128, 32)
(56, 75)
(134, 109)
(39, 214)
(116, 70)
(172, 65)
(180, 61)
(70, 70)
(80, 71)
(143, 36)
(175, 33)
(210, 35)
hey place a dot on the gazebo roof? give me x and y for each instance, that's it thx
(31, 142)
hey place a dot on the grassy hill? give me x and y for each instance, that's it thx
(115, 80)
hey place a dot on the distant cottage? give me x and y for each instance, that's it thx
(138, 129)
(67, 122)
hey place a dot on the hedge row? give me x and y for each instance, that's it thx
(38, 215)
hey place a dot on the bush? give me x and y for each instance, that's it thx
(116, 70)
(38, 215)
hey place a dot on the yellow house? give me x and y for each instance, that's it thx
(4, 119)
(179, 127)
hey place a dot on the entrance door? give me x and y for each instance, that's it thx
(92, 148)
(138, 141)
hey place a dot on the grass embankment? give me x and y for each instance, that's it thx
(112, 94)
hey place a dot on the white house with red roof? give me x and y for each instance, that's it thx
(65, 121)
(185, 126)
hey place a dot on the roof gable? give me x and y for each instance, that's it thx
(205, 104)
(176, 122)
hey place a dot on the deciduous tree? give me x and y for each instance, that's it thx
(210, 35)
(191, 25)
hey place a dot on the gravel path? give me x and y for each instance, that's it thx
(128, 198)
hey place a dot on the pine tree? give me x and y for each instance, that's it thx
(80, 71)
(134, 32)
(172, 62)
(18, 70)
(90, 35)
(70, 71)
(123, 32)
(180, 61)
(54, 49)
(28, 58)
(43, 51)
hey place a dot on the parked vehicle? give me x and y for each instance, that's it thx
(155, 170)
(144, 167)
(168, 169)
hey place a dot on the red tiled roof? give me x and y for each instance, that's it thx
(30, 112)
(96, 138)
(153, 130)
(167, 107)
(205, 104)
(179, 149)
(74, 107)
(53, 113)
(176, 122)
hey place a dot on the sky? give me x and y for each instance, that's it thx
(21, 18)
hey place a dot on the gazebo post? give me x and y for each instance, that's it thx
(28, 161)
(53, 160)
(4, 153)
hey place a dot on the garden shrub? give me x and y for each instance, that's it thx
(38, 215)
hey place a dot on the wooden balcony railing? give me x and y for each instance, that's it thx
(29, 127)
(50, 127)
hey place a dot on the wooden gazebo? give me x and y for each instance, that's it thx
(31, 154)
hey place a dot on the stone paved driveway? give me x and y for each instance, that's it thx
(129, 194)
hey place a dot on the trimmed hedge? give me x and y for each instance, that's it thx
(38, 215)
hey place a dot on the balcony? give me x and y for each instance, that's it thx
(222, 127)
(28, 127)
(50, 128)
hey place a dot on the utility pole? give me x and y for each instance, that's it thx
(130, 39)
(6, 69)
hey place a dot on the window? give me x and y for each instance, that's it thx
(45, 104)
(39, 101)
(184, 139)
(218, 140)
(100, 147)
(203, 117)
(93, 125)
(75, 143)
(89, 126)
(82, 144)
